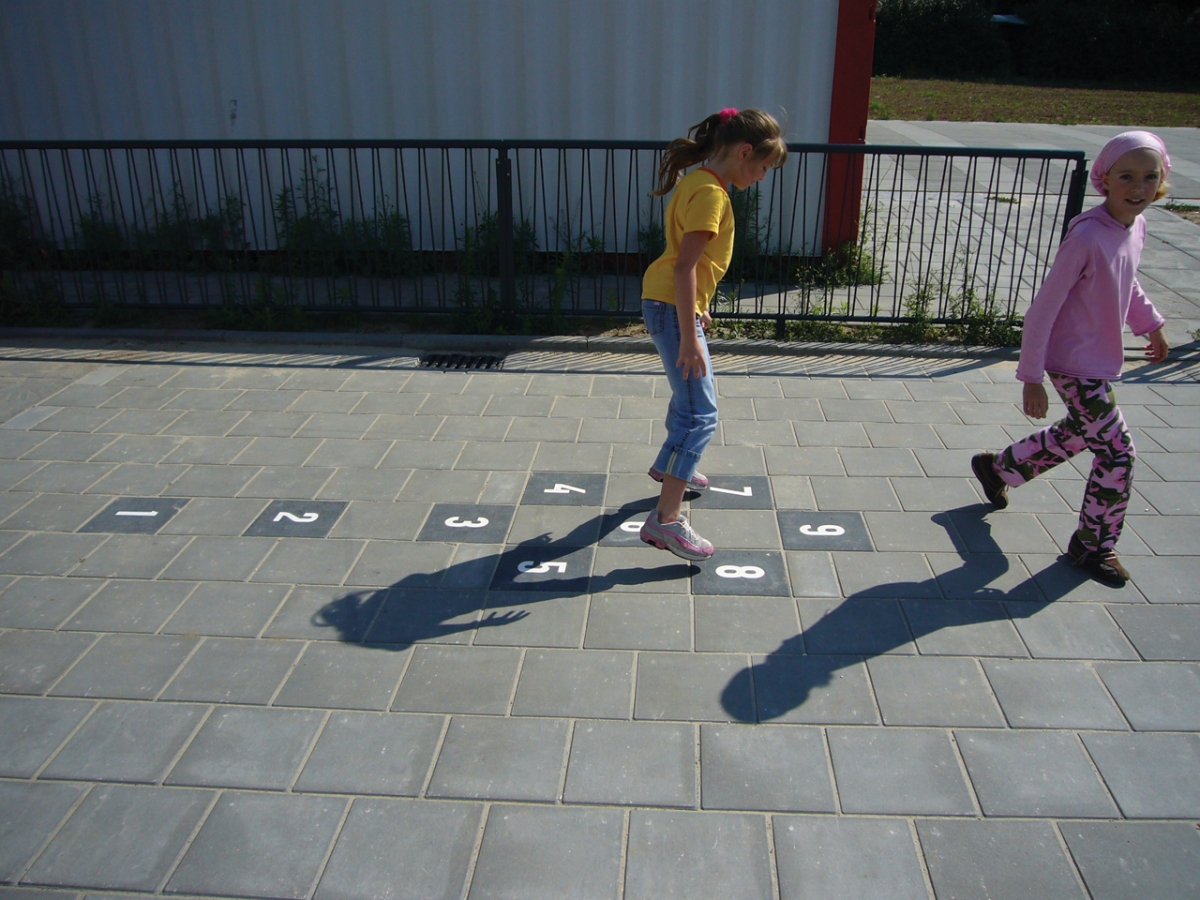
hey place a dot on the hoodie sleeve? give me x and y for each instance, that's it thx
(1070, 264)
(1143, 317)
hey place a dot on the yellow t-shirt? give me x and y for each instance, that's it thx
(700, 203)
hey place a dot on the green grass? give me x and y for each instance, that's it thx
(976, 101)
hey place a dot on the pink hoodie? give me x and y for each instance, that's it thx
(1075, 324)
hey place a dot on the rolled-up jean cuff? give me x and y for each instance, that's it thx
(677, 462)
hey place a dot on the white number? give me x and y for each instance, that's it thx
(631, 527)
(823, 530)
(130, 512)
(740, 572)
(456, 522)
(532, 568)
(747, 491)
(563, 489)
(302, 519)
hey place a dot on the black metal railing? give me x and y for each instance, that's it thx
(844, 232)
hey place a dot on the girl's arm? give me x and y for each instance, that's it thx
(691, 356)
(1070, 263)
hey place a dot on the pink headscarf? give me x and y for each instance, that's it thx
(1122, 144)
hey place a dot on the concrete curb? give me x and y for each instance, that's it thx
(484, 343)
(505, 343)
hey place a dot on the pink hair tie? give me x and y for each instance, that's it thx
(727, 113)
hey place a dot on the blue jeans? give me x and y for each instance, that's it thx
(692, 412)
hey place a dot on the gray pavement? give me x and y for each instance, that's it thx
(313, 622)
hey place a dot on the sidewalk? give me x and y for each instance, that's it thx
(312, 622)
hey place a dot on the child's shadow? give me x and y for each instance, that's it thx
(433, 606)
(784, 680)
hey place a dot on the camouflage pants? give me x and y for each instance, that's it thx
(1093, 422)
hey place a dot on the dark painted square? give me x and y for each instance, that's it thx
(744, 572)
(621, 527)
(565, 570)
(805, 530)
(735, 492)
(119, 516)
(463, 523)
(274, 521)
(571, 489)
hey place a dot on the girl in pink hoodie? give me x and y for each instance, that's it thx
(1073, 334)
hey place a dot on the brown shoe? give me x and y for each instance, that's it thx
(994, 488)
(1103, 566)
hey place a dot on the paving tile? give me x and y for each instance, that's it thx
(210, 558)
(912, 531)
(846, 859)
(632, 764)
(1033, 774)
(410, 615)
(759, 768)
(639, 569)
(933, 494)
(211, 481)
(402, 849)
(831, 434)
(1152, 776)
(70, 448)
(29, 813)
(1161, 632)
(281, 451)
(858, 493)
(32, 729)
(896, 574)
(500, 759)
(815, 690)
(343, 676)
(408, 429)
(561, 526)
(933, 691)
(227, 610)
(54, 512)
(1048, 694)
(369, 753)
(534, 853)
(259, 845)
(1058, 579)
(49, 554)
(292, 482)
(584, 458)
(432, 486)
(963, 628)
(31, 661)
(1155, 696)
(130, 606)
(126, 666)
(234, 670)
(208, 423)
(247, 748)
(13, 472)
(216, 516)
(898, 772)
(977, 860)
(121, 837)
(854, 627)
(132, 742)
(138, 480)
(43, 602)
(744, 624)
(464, 680)
(309, 562)
(71, 419)
(575, 684)
(381, 563)
(336, 425)
(692, 687)
(984, 577)
(1069, 631)
(698, 856)
(325, 613)
(380, 520)
(132, 556)
(622, 621)
(812, 574)
(1146, 861)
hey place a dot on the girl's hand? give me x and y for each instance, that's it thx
(691, 359)
(705, 320)
(1156, 350)
(1035, 400)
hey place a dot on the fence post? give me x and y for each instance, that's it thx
(1075, 194)
(504, 228)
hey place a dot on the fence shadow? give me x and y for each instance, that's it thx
(784, 680)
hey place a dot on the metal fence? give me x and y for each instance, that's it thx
(842, 232)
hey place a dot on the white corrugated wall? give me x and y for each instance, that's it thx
(435, 69)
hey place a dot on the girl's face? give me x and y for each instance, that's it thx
(750, 169)
(1131, 183)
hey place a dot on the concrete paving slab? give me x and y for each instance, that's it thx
(1152, 776)
(1118, 859)
(898, 771)
(1155, 696)
(497, 758)
(847, 859)
(234, 670)
(33, 729)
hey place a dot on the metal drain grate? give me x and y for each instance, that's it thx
(462, 361)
